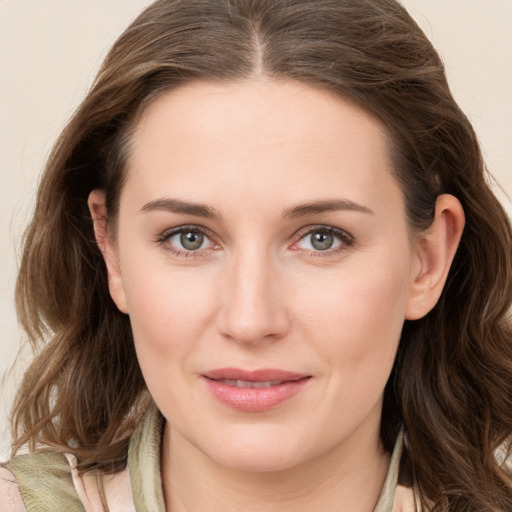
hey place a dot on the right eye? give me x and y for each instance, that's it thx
(186, 241)
(324, 240)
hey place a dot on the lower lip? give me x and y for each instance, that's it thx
(255, 399)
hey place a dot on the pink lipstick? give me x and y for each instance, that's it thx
(254, 391)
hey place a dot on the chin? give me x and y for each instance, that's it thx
(257, 452)
(257, 461)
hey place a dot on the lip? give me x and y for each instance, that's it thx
(264, 389)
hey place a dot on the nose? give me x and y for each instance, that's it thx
(253, 304)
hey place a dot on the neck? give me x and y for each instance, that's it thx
(351, 475)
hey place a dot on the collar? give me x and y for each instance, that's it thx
(399, 493)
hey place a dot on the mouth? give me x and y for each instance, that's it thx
(250, 384)
(256, 390)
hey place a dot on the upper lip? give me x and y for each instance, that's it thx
(260, 375)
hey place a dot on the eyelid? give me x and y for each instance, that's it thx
(166, 235)
(346, 239)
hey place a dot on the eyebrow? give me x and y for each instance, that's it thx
(178, 206)
(324, 206)
(301, 210)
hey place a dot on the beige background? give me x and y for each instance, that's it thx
(50, 51)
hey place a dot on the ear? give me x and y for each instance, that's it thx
(98, 209)
(435, 249)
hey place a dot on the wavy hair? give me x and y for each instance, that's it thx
(451, 385)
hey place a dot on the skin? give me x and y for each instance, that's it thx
(260, 294)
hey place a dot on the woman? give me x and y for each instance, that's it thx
(289, 277)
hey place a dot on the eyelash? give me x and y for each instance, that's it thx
(164, 238)
(346, 240)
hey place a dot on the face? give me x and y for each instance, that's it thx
(265, 261)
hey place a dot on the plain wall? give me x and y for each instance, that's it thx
(50, 51)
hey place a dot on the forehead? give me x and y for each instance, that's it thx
(258, 135)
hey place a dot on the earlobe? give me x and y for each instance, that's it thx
(435, 250)
(98, 210)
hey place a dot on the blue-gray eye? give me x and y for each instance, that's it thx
(186, 239)
(191, 240)
(322, 240)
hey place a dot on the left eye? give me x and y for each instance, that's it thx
(189, 240)
(322, 240)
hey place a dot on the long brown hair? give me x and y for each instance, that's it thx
(451, 386)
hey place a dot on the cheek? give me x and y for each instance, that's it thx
(358, 315)
(169, 309)
(357, 329)
(169, 312)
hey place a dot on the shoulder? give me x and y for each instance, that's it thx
(43, 481)
(50, 481)
(38, 481)
(10, 497)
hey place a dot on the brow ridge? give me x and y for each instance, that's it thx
(324, 206)
(297, 211)
(179, 206)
